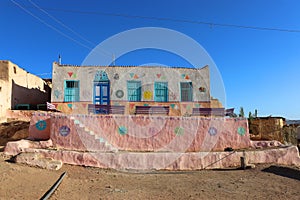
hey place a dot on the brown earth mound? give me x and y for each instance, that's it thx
(12, 131)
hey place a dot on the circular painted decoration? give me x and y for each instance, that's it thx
(41, 125)
(212, 131)
(241, 131)
(116, 76)
(147, 95)
(122, 130)
(64, 130)
(179, 131)
(119, 93)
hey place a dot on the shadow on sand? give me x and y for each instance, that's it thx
(283, 171)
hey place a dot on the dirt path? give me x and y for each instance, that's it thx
(263, 182)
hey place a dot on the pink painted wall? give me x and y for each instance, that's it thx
(143, 133)
(40, 126)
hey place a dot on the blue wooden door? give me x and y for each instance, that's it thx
(102, 93)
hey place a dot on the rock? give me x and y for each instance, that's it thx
(251, 166)
(16, 147)
(36, 160)
(265, 144)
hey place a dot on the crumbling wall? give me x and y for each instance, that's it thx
(289, 134)
(268, 128)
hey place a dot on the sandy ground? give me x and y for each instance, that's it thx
(263, 182)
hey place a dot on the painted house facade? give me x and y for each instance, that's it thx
(180, 89)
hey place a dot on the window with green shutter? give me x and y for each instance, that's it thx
(186, 91)
(161, 91)
(134, 90)
(71, 91)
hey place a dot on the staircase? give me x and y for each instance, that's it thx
(92, 141)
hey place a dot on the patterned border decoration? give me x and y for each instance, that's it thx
(241, 131)
(41, 125)
(64, 130)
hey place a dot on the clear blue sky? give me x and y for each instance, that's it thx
(260, 68)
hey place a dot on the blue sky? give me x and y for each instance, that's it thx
(260, 68)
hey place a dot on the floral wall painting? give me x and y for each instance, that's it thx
(148, 95)
(41, 125)
(212, 131)
(64, 131)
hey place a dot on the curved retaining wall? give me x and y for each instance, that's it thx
(140, 133)
(151, 160)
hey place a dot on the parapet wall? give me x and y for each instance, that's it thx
(176, 108)
(140, 133)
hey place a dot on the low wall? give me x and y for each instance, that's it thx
(176, 108)
(154, 160)
(140, 133)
